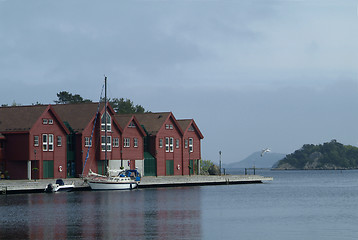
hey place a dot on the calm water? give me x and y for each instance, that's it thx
(296, 205)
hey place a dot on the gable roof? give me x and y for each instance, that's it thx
(20, 118)
(79, 115)
(125, 120)
(153, 122)
(186, 123)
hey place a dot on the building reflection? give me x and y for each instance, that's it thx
(164, 213)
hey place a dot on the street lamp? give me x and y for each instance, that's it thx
(220, 161)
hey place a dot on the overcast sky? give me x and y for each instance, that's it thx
(252, 73)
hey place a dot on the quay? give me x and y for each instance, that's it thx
(32, 186)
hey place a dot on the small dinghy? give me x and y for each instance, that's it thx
(59, 186)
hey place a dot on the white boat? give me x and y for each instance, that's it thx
(128, 179)
(59, 186)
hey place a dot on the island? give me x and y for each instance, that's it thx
(327, 156)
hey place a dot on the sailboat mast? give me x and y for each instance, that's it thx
(105, 120)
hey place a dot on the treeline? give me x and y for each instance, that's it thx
(330, 155)
(120, 105)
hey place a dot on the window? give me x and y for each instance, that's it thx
(167, 144)
(186, 143)
(59, 141)
(103, 122)
(50, 142)
(166, 126)
(44, 121)
(171, 144)
(135, 142)
(191, 128)
(115, 142)
(36, 141)
(177, 143)
(104, 144)
(50, 121)
(191, 145)
(127, 142)
(171, 126)
(88, 142)
(44, 142)
(161, 142)
(132, 125)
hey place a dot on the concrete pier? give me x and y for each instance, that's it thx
(28, 186)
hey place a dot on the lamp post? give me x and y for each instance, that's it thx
(220, 161)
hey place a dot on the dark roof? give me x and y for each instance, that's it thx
(78, 116)
(186, 123)
(123, 120)
(152, 122)
(20, 118)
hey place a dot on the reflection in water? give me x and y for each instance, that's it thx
(170, 213)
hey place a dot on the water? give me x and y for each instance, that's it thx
(296, 205)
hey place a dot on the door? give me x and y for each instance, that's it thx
(191, 166)
(150, 166)
(48, 169)
(169, 167)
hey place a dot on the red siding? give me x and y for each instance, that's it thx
(132, 153)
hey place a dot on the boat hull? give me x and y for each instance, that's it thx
(112, 186)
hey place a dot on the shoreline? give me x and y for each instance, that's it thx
(38, 186)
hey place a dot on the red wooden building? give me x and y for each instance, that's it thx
(88, 143)
(132, 148)
(163, 147)
(33, 142)
(192, 146)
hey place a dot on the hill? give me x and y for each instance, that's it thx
(330, 155)
(266, 161)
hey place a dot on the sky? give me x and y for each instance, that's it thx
(251, 73)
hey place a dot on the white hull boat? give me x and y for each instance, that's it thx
(59, 186)
(121, 182)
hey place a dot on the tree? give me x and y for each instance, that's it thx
(125, 106)
(65, 97)
(205, 165)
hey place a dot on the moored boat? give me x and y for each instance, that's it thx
(59, 186)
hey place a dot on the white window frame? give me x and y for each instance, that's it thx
(166, 126)
(50, 121)
(171, 144)
(191, 143)
(44, 121)
(171, 126)
(132, 125)
(103, 144)
(109, 122)
(88, 142)
(160, 142)
(44, 142)
(135, 142)
(50, 142)
(177, 143)
(59, 141)
(167, 144)
(116, 142)
(186, 143)
(127, 142)
(36, 141)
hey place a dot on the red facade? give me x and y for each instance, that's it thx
(67, 140)
(35, 147)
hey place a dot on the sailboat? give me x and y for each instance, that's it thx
(125, 179)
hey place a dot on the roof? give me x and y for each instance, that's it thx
(186, 123)
(20, 118)
(152, 121)
(125, 119)
(77, 115)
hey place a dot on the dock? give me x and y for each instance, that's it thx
(36, 186)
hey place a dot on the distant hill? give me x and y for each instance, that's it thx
(266, 161)
(330, 155)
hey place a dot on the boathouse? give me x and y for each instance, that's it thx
(33, 142)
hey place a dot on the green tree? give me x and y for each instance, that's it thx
(65, 97)
(125, 106)
(205, 165)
